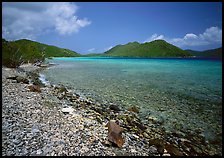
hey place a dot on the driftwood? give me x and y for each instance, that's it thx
(115, 133)
(12, 78)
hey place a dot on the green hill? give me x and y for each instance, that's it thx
(22, 51)
(212, 53)
(157, 48)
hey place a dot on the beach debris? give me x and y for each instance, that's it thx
(34, 88)
(115, 133)
(133, 109)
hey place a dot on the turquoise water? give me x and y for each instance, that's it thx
(184, 94)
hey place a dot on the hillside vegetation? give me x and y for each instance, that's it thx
(157, 48)
(21, 51)
(212, 53)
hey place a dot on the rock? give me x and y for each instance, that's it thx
(39, 152)
(38, 82)
(88, 102)
(135, 136)
(34, 88)
(133, 151)
(73, 98)
(173, 151)
(114, 107)
(197, 150)
(16, 141)
(115, 133)
(107, 143)
(167, 154)
(14, 81)
(156, 120)
(159, 143)
(133, 109)
(145, 135)
(99, 119)
(35, 130)
(61, 89)
(135, 123)
(60, 96)
(153, 149)
(67, 110)
(99, 110)
(22, 79)
(140, 126)
(19, 79)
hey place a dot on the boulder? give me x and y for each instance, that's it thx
(159, 143)
(22, 79)
(61, 89)
(114, 107)
(174, 151)
(133, 109)
(115, 133)
(156, 119)
(19, 79)
(37, 81)
(34, 88)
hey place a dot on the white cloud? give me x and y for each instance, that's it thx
(212, 35)
(108, 48)
(91, 50)
(30, 19)
(190, 36)
(154, 37)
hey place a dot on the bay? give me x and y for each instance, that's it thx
(182, 93)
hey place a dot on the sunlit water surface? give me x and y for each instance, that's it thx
(184, 94)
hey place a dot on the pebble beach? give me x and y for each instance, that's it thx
(56, 122)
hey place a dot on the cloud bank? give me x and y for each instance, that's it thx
(212, 35)
(108, 48)
(91, 50)
(31, 19)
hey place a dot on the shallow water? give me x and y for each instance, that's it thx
(183, 94)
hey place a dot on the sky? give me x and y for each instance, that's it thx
(95, 27)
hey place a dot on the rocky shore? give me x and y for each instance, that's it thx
(51, 120)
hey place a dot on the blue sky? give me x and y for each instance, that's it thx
(94, 27)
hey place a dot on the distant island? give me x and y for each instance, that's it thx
(22, 51)
(212, 53)
(157, 48)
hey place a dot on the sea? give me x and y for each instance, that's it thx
(182, 93)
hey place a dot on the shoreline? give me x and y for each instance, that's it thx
(81, 132)
(164, 58)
